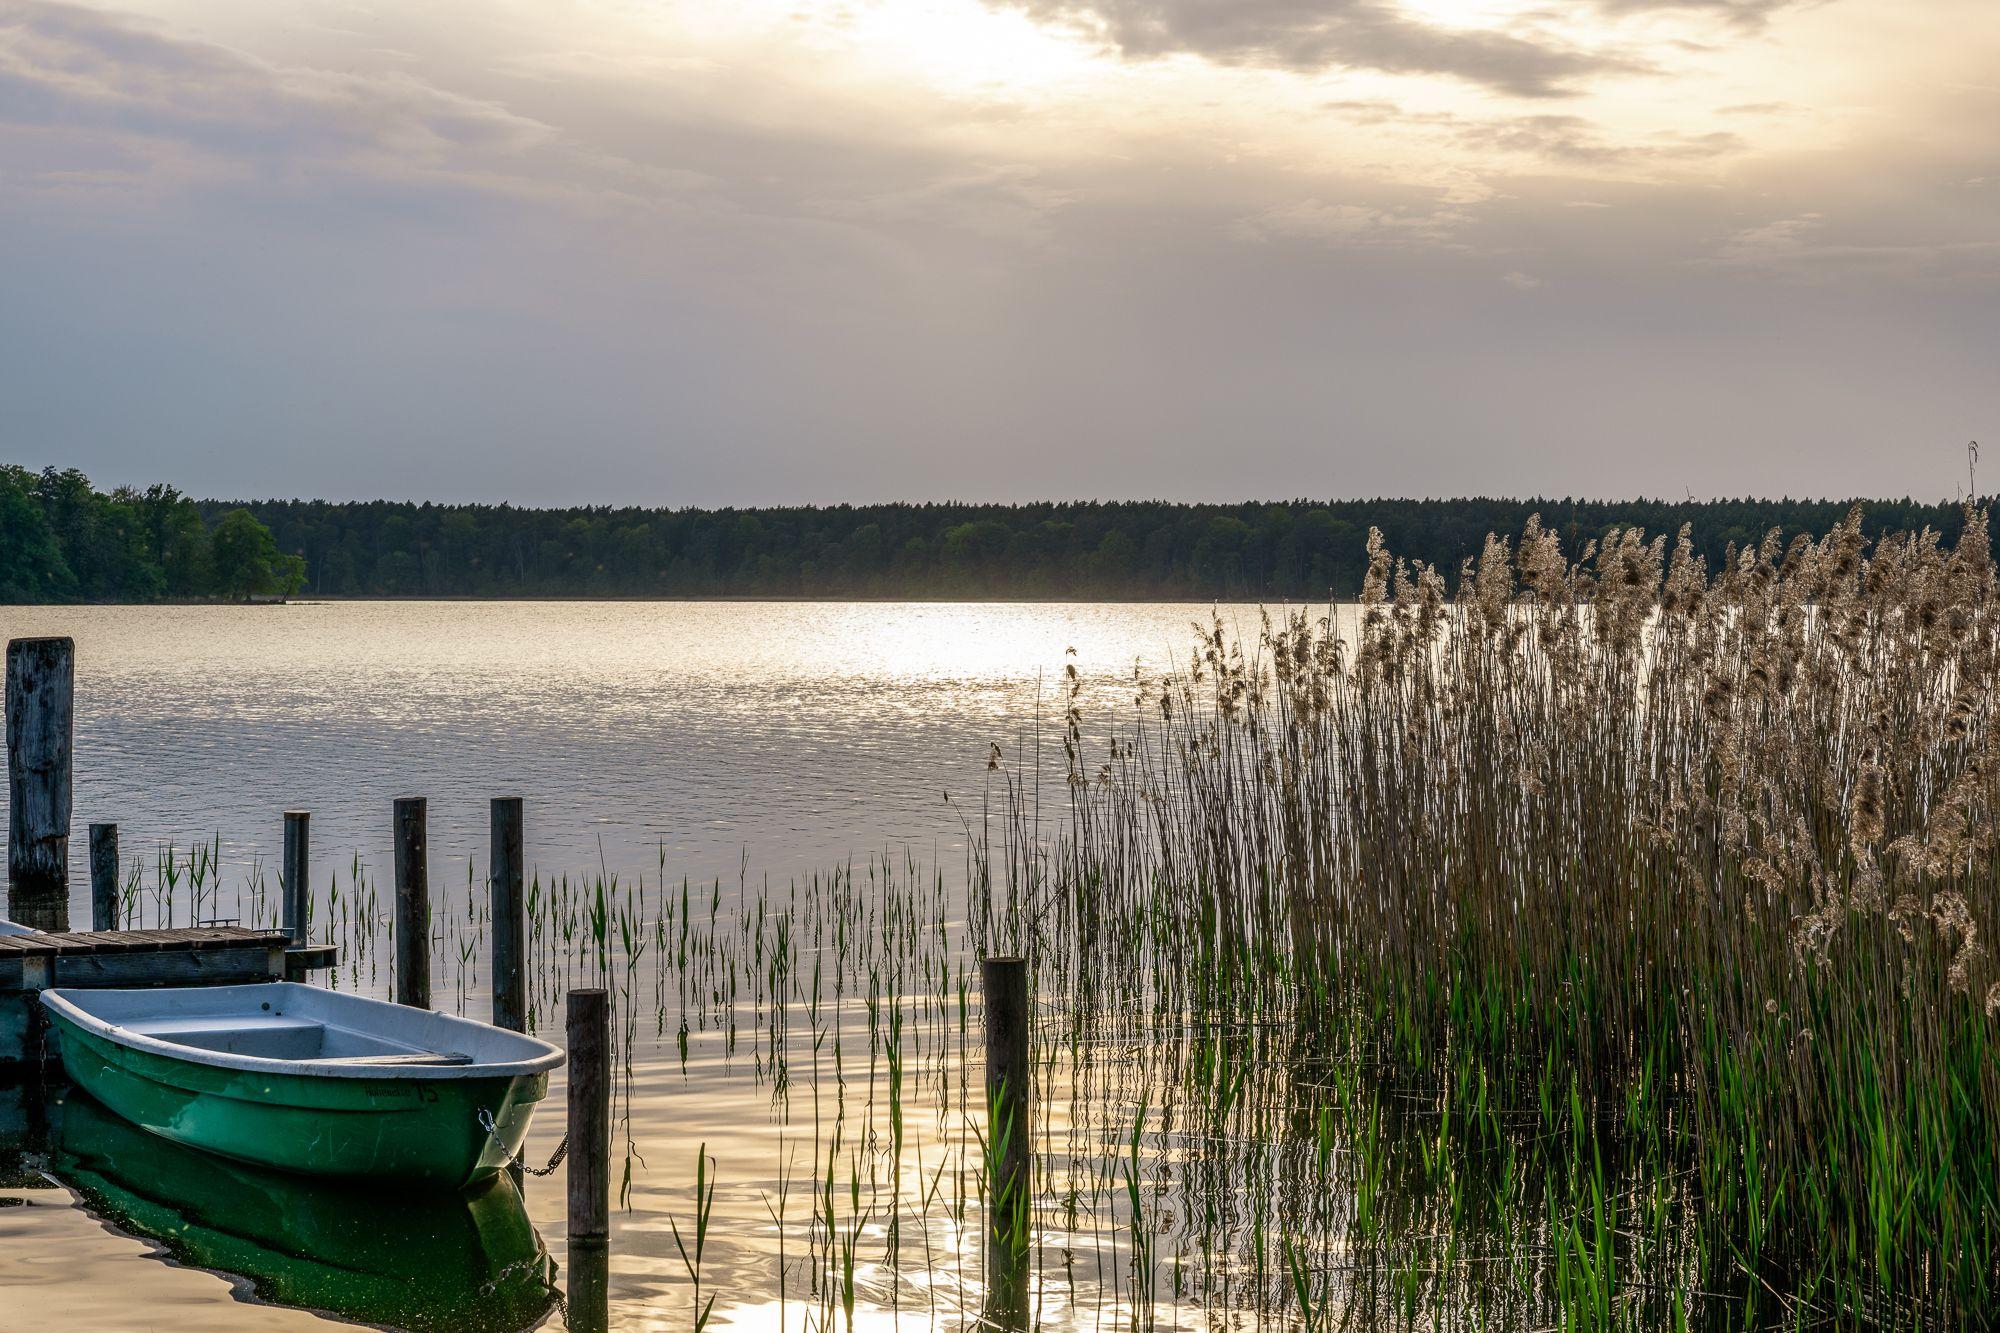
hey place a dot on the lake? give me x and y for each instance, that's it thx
(715, 763)
(784, 836)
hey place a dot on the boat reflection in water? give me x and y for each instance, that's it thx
(465, 1262)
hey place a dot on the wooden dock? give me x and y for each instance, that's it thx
(196, 956)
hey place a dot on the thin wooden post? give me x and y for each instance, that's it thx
(413, 903)
(104, 877)
(41, 726)
(589, 1033)
(296, 876)
(510, 922)
(1009, 1127)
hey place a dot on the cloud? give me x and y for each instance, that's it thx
(1000, 203)
(1781, 239)
(1355, 226)
(1800, 249)
(1313, 35)
(1744, 13)
(70, 71)
(1569, 139)
(1578, 141)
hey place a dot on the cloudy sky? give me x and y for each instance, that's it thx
(757, 251)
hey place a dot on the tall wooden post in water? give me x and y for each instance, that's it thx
(41, 724)
(589, 1034)
(295, 878)
(104, 877)
(1009, 1127)
(510, 921)
(413, 903)
(587, 1031)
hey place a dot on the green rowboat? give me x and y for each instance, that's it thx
(307, 1080)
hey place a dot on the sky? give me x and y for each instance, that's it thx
(585, 251)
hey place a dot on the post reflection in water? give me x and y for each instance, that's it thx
(588, 1300)
(467, 1262)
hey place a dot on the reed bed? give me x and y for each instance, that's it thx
(1676, 880)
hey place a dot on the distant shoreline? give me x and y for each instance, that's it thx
(160, 547)
(305, 599)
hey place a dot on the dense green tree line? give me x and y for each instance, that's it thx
(62, 540)
(1298, 550)
(59, 539)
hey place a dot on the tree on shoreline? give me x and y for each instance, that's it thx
(247, 562)
(61, 540)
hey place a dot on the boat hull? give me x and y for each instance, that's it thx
(394, 1129)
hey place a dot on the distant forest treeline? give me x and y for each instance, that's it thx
(1300, 550)
(139, 546)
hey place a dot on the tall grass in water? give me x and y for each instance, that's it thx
(1695, 866)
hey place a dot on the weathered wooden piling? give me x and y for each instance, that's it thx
(510, 918)
(104, 877)
(413, 903)
(589, 1036)
(1009, 1128)
(295, 877)
(41, 725)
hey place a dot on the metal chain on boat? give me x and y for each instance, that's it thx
(516, 1159)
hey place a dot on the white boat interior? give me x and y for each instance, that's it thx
(302, 1029)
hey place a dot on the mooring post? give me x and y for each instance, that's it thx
(510, 921)
(41, 725)
(413, 904)
(295, 879)
(104, 877)
(589, 1024)
(1010, 1187)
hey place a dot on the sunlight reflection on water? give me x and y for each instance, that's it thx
(791, 734)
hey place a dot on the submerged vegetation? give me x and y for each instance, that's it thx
(1599, 942)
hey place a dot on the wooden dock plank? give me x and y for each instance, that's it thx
(168, 968)
(195, 938)
(182, 956)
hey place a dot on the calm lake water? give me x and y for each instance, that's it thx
(787, 736)
(749, 745)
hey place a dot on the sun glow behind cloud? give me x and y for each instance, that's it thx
(993, 76)
(959, 46)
